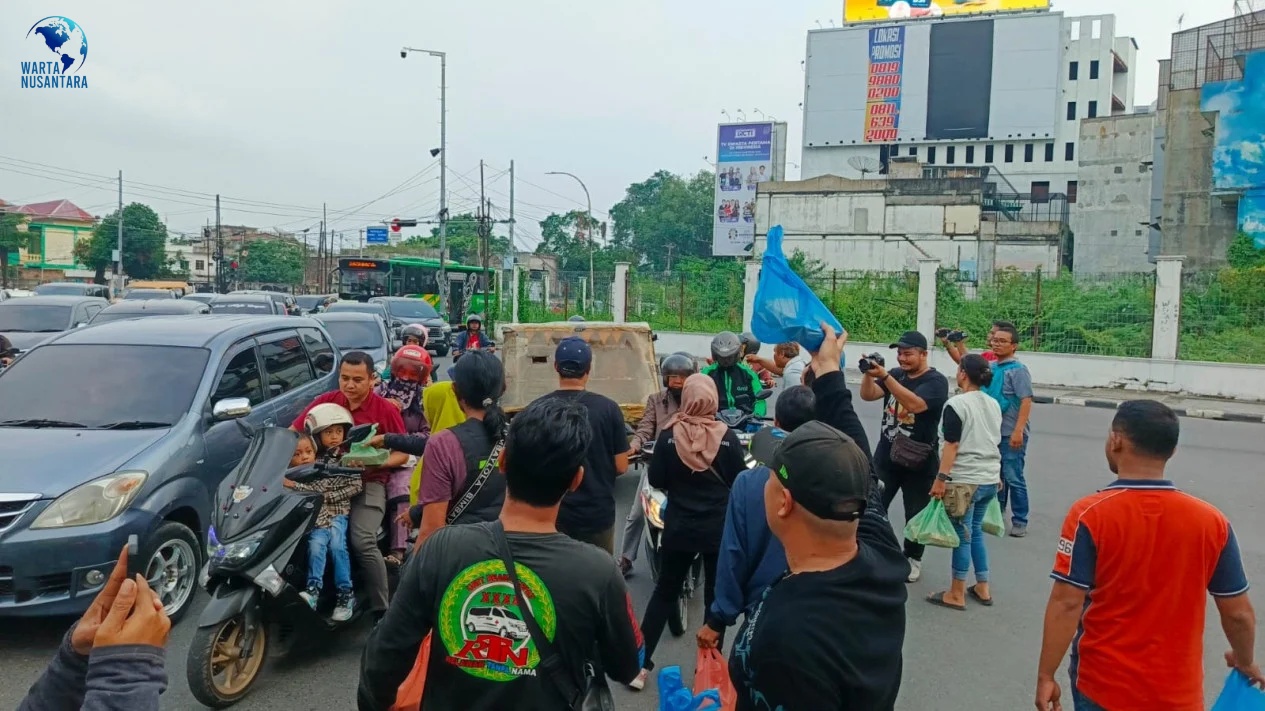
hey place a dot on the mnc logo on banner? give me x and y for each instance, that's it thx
(68, 44)
(744, 159)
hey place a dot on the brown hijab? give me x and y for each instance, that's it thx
(694, 427)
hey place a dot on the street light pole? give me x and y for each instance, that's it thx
(443, 167)
(589, 202)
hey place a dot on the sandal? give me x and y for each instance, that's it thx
(985, 601)
(937, 599)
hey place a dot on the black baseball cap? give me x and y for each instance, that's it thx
(573, 355)
(911, 339)
(825, 471)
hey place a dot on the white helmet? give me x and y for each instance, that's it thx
(324, 416)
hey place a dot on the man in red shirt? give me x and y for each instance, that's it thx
(1134, 563)
(355, 392)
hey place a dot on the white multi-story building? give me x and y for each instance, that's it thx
(1005, 90)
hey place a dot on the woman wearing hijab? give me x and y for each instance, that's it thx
(696, 460)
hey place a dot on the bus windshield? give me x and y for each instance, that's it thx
(362, 284)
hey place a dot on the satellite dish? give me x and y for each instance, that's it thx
(864, 165)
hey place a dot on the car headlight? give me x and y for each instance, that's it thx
(234, 551)
(95, 502)
(447, 328)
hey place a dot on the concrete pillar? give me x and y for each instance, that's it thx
(1166, 333)
(619, 293)
(749, 284)
(517, 274)
(927, 269)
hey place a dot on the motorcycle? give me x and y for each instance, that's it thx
(257, 566)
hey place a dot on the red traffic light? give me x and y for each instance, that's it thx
(397, 223)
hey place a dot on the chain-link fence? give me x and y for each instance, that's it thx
(1106, 314)
(1223, 316)
(566, 294)
(694, 302)
(874, 307)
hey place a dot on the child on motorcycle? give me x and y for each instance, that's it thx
(327, 427)
(409, 370)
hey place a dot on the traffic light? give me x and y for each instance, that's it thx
(233, 265)
(397, 223)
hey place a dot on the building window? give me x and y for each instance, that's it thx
(1069, 151)
(199, 265)
(1093, 109)
(35, 243)
(1010, 153)
(1041, 191)
(931, 154)
(1073, 71)
(1095, 29)
(1137, 233)
(1119, 170)
(1115, 233)
(1071, 192)
(970, 155)
(950, 154)
(1027, 152)
(988, 153)
(1093, 69)
(1076, 30)
(1049, 153)
(913, 151)
(1071, 111)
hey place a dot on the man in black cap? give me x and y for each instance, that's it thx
(588, 513)
(829, 634)
(907, 457)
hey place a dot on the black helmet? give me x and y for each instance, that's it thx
(726, 348)
(750, 344)
(677, 364)
(576, 317)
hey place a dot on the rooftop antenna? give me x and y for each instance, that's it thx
(864, 165)
(819, 24)
(742, 115)
(1180, 19)
(726, 115)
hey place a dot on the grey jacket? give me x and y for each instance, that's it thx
(659, 408)
(123, 678)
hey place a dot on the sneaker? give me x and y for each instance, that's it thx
(915, 570)
(640, 682)
(1018, 530)
(312, 595)
(343, 607)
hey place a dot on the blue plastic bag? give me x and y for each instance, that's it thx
(785, 308)
(673, 696)
(1239, 695)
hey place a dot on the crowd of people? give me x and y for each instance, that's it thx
(514, 595)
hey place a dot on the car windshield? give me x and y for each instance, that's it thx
(141, 294)
(411, 309)
(199, 297)
(59, 290)
(356, 307)
(241, 307)
(33, 318)
(355, 335)
(100, 382)
(310, 302)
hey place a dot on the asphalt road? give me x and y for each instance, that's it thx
(982, 659)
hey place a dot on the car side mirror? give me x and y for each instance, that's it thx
(359, 433)
(232, 408)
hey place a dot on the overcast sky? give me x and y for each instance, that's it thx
(291, 104)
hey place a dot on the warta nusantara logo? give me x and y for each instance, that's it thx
(68, 44)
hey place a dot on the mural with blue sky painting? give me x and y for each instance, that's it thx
(1238, 159)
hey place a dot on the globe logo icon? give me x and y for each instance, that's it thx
(64, 38)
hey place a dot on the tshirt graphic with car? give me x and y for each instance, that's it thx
(482, 626)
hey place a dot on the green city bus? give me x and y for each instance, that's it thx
(470, 289)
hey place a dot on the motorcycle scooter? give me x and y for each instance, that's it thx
(257, 566)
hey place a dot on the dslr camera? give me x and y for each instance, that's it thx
(951, 335)
(869, 362)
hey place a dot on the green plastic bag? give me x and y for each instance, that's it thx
(994, 522)
(932, 527)
(363, 455)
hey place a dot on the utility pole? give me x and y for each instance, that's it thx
(443, 167)
(485, 229)
(324, 275)
(362, 242)
(219, 251)
(513, 244)
(670, 248)
(119, 265)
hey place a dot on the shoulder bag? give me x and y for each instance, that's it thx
(474, 486)
(596, 695)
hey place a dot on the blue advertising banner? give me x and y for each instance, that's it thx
(882, 102)
(744, 159)
(376, 235)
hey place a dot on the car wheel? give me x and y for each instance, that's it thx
(470, 628)
(171, 565)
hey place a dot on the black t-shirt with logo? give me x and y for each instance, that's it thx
(481, 654)
(933, 388)
(591, 508)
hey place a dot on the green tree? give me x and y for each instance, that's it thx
(272, 262)
(566, 236)
(144, 243)
(12, 238)
(666, 216)
(1243, 253)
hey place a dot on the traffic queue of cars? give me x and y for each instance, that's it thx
(165, 392)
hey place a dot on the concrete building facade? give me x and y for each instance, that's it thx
(1113, 205)
(889, 224)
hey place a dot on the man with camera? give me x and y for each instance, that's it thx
(906, 457)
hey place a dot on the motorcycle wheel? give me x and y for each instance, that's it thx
(679, 617)
(218, 670)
